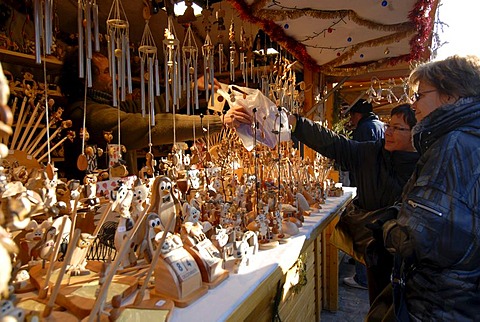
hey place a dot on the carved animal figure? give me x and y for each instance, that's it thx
(78, 262)
(163, 201)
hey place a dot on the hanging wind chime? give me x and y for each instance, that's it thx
(119, 51)
(43, 20)
(148, 61)
(87, 20)
(190, 62)
(171, 50)
(208, 52)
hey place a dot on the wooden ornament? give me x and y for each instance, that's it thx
(82, 162)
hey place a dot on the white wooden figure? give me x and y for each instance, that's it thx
(125, 223)
(245, 249)
(78, 262)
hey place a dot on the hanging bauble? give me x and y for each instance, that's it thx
(286, 26)
(384, 3)
(349, 39)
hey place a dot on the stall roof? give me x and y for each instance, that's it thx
(344, 37)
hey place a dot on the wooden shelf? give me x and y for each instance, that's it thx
(12, 57)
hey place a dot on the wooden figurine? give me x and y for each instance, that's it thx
(206, 254)
(177, 275)
(146, 236)
(78, 263)
(245, 249)
(125, 224)
(163, 201)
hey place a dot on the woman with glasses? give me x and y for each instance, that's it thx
(381, 169)
(436, 236)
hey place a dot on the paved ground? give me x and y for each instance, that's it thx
(353, 303)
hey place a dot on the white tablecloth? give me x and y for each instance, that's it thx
(219, 303)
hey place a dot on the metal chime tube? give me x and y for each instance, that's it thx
(49, 26)
(113, 69)
(187, 65)
(151, 92)
(157, 78)
(89, 72)
(212, 75)
(179, 80)
(206, 77)
(122, 67)
(142, 84)
(81, 57)
(129, 69)
(38, 30)
(88, 30)
(96, 33)
(195, 82)
(167, 86)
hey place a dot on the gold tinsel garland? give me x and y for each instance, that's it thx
(369, 43)
(279, 15)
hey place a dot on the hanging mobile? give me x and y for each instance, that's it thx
(87, 15)
(119, 51)
(171, 48)
(148, 56)
(190, 62)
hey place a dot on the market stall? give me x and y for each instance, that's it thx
(167, 209)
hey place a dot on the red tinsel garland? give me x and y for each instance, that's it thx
(420, 16)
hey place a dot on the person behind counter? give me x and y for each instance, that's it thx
(381, 168)
(436, 236)
(102, 116)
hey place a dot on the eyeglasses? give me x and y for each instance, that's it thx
(417, 96)
(395, 128)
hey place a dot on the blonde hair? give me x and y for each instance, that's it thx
(454, 76)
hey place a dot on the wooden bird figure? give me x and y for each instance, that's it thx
(78, 262)
(150, 228)
(163, 201)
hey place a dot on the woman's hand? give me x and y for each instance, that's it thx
(236, 116)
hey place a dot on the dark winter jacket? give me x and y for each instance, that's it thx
(438, 225)
(369, 128)
(380, 174)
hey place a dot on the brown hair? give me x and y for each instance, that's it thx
(454, 76)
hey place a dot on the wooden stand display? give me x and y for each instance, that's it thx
(152, 309)
(209, 261)
(177, 277)
(77, 293)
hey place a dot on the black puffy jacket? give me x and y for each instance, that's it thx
(380, 174)
(438, 225)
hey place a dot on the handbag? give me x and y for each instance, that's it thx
(351, 234)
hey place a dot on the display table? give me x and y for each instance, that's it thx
(251, 294)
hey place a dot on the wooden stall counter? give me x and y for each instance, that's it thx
(294, 280)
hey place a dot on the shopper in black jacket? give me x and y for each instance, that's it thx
(381, 167)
